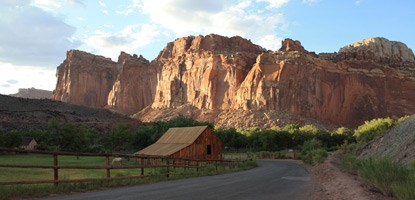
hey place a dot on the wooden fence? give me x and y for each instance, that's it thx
(144, 162)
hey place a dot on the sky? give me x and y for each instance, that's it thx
(36, 34)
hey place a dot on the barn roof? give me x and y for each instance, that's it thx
(26, 141)
(173, 141)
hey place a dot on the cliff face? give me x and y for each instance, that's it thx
(232, 82)
(85, 79)
(345, 93)
(134, 88)
(205, 72)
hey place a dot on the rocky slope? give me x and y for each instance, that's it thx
(398, 144)
(25, 114)
(32, 93)
(232, 82)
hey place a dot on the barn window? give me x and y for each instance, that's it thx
(209, 149)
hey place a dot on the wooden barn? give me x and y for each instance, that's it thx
(28, 143)
(196, 143)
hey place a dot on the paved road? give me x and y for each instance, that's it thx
(273, 179)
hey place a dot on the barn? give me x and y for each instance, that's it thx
(196, 143)
(28, 143)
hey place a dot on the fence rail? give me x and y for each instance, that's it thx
(164, 162)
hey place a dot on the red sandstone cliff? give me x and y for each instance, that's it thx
(233, 82)
(204, 72)
(135, 86)
(85, 79)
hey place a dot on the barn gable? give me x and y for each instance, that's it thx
(187, 142)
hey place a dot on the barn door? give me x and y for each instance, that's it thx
(209, 151)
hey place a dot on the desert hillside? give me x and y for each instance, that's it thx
(24, 114)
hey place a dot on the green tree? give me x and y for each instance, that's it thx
(12, 139)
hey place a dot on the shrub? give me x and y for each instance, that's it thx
(350, 163)
(312, 152)
(371, 129)
(383, 173)
(310, 145)
(405, 190)
(314, 156)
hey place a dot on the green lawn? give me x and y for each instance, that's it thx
(30, 174)
(41, 190)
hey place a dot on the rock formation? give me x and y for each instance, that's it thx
(85, 79)
(134, 88)
(203, 71)
(398, 144)
(233, 82)
(378, 49)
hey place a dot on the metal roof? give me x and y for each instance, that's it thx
(173, 141)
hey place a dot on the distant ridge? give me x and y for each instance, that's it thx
(33, 93)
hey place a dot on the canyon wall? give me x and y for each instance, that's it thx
(85, 79)
(233, 82)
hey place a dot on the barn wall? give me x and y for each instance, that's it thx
(198, 150)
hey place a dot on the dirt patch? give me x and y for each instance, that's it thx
(331, 183)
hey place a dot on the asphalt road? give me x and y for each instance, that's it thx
(273, 179)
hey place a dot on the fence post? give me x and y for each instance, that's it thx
(55, 168)
(107, 166)
(168, 171)
(142, 166)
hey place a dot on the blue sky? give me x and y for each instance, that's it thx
(35, 34)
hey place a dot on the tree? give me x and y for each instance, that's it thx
(12, 139)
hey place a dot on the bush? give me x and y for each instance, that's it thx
(405, 190)
(314, 156)
(312, 152)
(350, 163)
(383, 173)
(372, 129)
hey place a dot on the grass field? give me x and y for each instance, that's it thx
(32, 174)
(24, 174)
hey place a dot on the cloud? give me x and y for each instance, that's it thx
(47, 5)
(272, 4)
(310, 1)
(188, 17)
(25, 77)
(32, 36)
(12, 81)
(129, 39)
(76, 3)
(135, 4)
(102, 4)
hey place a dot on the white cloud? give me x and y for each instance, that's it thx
(129, 39)
(14, 77)
(31, 36)
(47, 5)
(135, 4)
(220, 17)
(310, 1)
(272, 4)
(102, 4)
(270, 41)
